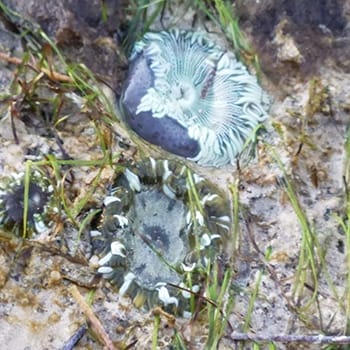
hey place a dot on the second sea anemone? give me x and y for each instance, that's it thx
(162, 228)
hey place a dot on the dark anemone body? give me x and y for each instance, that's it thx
(165, 132)
(12, 204)
(151, 236)
(190, 97)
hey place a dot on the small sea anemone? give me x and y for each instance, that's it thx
(12, 209)
(190, 97)
(162, 227)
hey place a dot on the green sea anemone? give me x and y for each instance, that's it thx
(161, 227)
(192, 98)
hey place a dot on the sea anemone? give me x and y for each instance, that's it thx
(190, 97)
(12, 192)
(161, 228)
